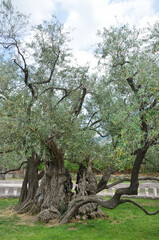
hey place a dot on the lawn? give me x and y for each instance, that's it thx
(123, 223)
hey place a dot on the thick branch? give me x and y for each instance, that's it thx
(79, 104)
(104, 181)
(52, 146)
(40, 175)
(77, 203)
(110, 204)
(105, 186)
(131, 84)
(153, 141)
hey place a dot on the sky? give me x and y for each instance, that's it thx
(84, 17)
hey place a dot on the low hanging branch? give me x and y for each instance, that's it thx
(109, 204)
(15, 169)
(116, 199)
(139, 206)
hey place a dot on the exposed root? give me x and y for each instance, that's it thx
(24, 207)
(48, 214)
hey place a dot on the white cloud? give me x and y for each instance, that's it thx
(39, 9)
(87, 16)
(85, 58)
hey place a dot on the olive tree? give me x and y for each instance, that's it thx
(50, 122)
(60, 112)
(129, 99)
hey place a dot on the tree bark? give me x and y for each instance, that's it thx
(55, 190)
(30, 184)
(87, 185)
(53, 195)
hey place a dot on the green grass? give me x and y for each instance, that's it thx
(126, 222)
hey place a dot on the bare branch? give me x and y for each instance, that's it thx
(55, 88)
(18, 65)
(19, 52)
(12, 170)
(97, 121)
(139, 206)
(7, 45)
(78, 106)
(52, 70)
(98, 132)
(120, 64)
(24, 69)
(66, 95)
(91, 119)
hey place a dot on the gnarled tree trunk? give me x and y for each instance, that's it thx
(53, 195)
(55, 190)
(116, 199)
(87, 185)
(30, 184)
